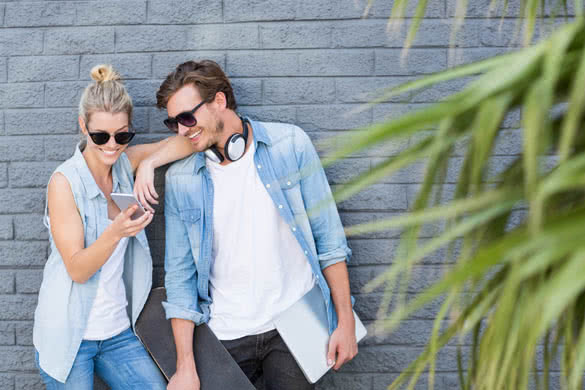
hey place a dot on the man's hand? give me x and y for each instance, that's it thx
(343, 344)
(184, 379)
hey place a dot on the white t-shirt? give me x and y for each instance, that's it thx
(258, 268)
(108, 316)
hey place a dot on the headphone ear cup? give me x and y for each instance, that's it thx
(235, 147)
(214, 155)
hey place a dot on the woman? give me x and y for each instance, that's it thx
(99, 272)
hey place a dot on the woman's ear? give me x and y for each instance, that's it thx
(82, 125)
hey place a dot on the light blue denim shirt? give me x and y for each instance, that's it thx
(291, 172)
(64, 305)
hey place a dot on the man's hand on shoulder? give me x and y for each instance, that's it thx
(184, 379)
(342, 344)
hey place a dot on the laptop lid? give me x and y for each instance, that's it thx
(305, 331)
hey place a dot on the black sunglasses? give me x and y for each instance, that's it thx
(102, 137)
(186, 118)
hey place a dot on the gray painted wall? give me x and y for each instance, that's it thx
(309, 62)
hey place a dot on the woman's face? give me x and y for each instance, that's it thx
(105, 122)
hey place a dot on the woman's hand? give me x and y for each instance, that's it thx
(124, 226)
(146, 157)
(144, 185)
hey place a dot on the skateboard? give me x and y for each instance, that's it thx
(216, 368)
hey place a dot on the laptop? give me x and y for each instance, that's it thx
(216, 368)
(305, 331)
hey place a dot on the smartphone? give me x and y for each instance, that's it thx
(123, 201)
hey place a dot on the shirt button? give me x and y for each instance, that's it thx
(267, 185)
(259, 166)
(288, 183)
(306, 252)
(279, 206)
(294, 229)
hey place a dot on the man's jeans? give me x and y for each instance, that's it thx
(265, 356)
(121, 361)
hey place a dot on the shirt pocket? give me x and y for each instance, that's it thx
(192, 220)
(90, 227)
(291, 188)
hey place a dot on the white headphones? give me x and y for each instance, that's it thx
(234, 148)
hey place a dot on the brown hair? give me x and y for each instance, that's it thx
(205, 75)
(106, 94)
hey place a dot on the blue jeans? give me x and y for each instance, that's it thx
(121, 361)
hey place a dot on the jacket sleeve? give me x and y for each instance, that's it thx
(180, 269)
(326, 226)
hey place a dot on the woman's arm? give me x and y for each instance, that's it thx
(159, 153)
(148, 157)
(67, 230)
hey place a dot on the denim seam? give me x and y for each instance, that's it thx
(106, 362)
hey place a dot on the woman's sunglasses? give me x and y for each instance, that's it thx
(186, 118)
(102, 137)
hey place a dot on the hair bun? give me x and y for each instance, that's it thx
(101, 73)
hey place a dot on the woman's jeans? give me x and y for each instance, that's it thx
(121, 361)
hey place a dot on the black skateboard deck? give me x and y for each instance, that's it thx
(216, 368)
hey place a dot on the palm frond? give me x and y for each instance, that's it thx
(516, 286)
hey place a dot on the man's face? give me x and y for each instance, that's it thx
(206, 131)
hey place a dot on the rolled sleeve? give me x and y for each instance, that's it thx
(180, 269)
(174, 311)
(336, 256)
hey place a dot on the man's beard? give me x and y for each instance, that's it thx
(219, 127)
(217, 131)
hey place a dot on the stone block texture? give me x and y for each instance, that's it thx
(311, 62)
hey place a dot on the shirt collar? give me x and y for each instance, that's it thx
(258, 134)
(199, 161)
(87, 178)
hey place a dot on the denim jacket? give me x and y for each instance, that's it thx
(63, 307)
(291, 172)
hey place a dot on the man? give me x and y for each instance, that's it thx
(247, 234)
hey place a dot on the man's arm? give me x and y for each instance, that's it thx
(323, 216)
(186, 376)
(342, 342)
(181, 306)
(331, 245)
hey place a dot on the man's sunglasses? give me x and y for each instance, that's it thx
(102, 137)
(186, 118)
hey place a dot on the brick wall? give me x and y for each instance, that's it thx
(304, 61)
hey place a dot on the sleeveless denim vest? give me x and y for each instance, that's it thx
(63, 305)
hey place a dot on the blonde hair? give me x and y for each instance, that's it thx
(106, 94)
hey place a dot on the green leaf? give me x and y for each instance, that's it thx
(452, 210)
(418, 16)
(384, 169)
(575, 111)
(564, 231)
(450, 74)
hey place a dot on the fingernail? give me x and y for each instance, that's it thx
(329, 362)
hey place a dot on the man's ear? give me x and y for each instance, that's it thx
(221, 100)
